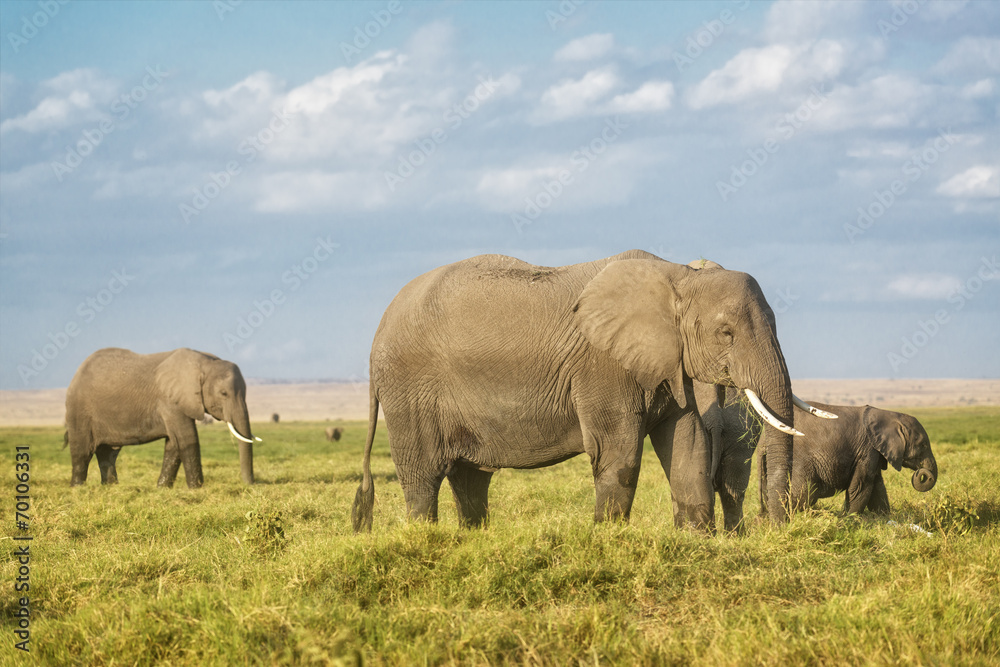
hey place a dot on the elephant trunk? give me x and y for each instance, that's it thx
(767, 377)
(239, 423)
(925, 477)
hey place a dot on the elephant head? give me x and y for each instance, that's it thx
(902, 440)
(198, 383)
(668, 322)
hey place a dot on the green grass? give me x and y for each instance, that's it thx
(135, 575)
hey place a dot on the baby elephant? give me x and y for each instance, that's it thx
(850, 453)
(333, 433)
(733, 431)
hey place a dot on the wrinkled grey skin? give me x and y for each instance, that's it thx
(333, 433)
(733, 431)
(494, 363)
(119, 398)
(850, 453)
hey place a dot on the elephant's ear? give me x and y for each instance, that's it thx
(631, 310)
(887, 435)
(179, 378)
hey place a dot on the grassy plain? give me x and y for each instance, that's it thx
(136, 575)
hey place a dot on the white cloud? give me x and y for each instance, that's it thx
(970, 56)
(981, 181)
(764, 71)
(575, 97)
(574, 182)
(979, 90)
(923, 286)
(794, 21)
(651, 96)
(751, 71)
(586, 48)
(308, 190)
(888, 101)
(934, 11)
(74, 97)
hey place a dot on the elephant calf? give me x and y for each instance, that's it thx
(733, 432)
(850, 453)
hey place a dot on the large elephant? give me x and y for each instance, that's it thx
(850, 454)
(119, 398)
(493, 363)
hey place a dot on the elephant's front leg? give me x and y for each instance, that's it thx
(879, 501)
(171, 464)
(615, 456)
(860, 490)
(686, 456)
(185, 435)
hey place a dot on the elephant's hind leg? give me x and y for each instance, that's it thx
(106, 457)
(81, 450)
(81, 462)
(470, 486)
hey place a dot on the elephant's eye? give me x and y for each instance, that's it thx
(726, 335)
(224, 392)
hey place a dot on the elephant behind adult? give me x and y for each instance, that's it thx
(494, 363)
(850, 454)
(119, 398)
(733, 431)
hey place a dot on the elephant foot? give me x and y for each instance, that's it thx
(700, 517)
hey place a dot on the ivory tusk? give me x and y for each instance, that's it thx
(238, 436)
(802, 405)
(767, 416)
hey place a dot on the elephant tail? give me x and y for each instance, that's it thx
(65, 439)
(364, 499)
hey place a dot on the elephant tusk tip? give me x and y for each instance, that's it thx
(257, 439)
(802, 405)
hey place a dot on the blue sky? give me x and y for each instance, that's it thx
(258, 180)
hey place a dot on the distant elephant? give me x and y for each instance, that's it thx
(275, 417)
(119, 398)
(333, 433)
(850, 454)
(733, 431)
(493, 363)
